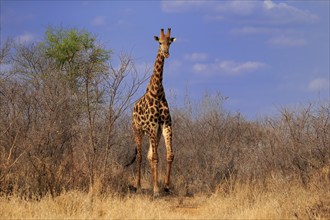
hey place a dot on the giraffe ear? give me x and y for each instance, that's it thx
(156, 38)
(173, 39)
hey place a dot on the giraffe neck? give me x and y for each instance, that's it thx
(155, 86)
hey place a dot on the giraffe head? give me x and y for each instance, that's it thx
(165, 41)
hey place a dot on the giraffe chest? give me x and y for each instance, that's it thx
(148, 114)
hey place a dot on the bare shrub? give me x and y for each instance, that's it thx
(215, 148)
(56, 135)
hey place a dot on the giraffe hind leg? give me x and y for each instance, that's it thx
(167, 133)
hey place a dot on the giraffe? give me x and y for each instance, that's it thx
(151, 116)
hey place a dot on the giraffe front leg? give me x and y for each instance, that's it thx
(167, 133)
(153, 161)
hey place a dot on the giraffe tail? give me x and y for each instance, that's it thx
(132, 160)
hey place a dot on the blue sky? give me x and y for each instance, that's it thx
(262, 55)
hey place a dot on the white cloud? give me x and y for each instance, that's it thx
(269, 4)
(287, 41)
(182, 6)
(200, 68)
(272, 31)
(318, 84)
(261, 12)
(98, 21)
(284, 13)
(228, 67)
(25, 38)
(285, 37)
(237, 68)
(233, 6)
(196, 56)
(249, 30)
(237, 7)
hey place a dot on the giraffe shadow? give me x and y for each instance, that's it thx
(143, 191)
(146, 191)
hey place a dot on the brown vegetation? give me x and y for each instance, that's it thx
(64, 140)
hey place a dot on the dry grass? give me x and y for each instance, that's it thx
(277, 200)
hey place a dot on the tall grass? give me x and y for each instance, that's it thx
(279, 200)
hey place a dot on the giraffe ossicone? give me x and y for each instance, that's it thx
(151, 117)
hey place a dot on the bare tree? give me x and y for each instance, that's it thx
(120, 91)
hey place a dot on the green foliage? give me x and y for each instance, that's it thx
(64, 45)
(76, 52)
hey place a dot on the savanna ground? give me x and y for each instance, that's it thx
(277, 201)
(65, 137)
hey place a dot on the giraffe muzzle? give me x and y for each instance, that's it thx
(166, 54)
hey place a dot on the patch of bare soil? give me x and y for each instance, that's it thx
(185, 205)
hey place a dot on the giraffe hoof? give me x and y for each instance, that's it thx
(132, 189)
(167, 191)
(156, 195)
